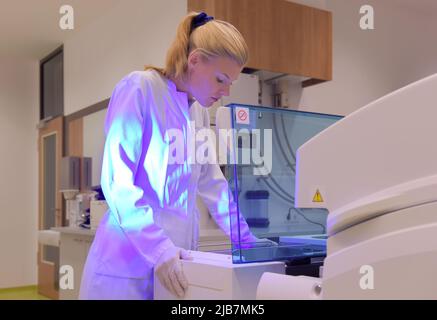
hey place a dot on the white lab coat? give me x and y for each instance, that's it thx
(152, 202)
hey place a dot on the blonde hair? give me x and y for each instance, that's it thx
(215, 38)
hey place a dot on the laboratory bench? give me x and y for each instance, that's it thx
(75, 243)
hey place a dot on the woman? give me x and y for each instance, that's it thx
(153, 217)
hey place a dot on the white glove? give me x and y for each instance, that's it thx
(169, 271)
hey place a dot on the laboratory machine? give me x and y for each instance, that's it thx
(256, 150)
(376, 171)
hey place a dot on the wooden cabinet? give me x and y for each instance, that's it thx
(282, 36)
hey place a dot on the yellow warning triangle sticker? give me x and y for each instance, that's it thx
(318, 197)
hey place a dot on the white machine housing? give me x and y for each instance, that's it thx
(376, 173)
(213, 276)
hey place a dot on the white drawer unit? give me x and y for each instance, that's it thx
(74, 246)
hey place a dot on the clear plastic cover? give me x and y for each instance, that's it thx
(261, 172)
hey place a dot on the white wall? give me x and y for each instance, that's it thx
(370, 64)
(19, 105)
(125, 38)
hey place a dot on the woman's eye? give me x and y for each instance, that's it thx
(219, 80)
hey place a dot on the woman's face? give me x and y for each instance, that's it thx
(210, 78)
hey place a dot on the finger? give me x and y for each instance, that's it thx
(165, 282)
(185, 255)
(177, 288)
(182, 279)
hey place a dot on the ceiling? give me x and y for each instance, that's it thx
(418, 6)
(30, 28)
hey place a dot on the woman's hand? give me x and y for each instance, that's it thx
(169, 271)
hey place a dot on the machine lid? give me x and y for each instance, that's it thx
(405, 195)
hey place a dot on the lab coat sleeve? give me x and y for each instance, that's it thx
(214, 190)
(215, 193)
(127, 139)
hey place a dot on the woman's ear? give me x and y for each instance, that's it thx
(195, 57)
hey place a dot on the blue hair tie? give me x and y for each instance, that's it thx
(200, 20)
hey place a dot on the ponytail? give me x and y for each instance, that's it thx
(177, 56)
(214, 38)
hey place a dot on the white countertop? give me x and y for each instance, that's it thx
(75, 230)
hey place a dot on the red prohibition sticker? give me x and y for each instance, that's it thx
(242, 115)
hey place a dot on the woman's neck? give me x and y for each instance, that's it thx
(181, 86)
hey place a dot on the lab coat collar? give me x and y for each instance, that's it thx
(181, 94)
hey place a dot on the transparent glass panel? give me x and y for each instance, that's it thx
(261, 175)
(50, 253)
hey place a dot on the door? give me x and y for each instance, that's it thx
(50, 143)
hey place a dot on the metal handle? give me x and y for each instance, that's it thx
(317, 289)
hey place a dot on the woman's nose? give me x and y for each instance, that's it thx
(226, 91)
